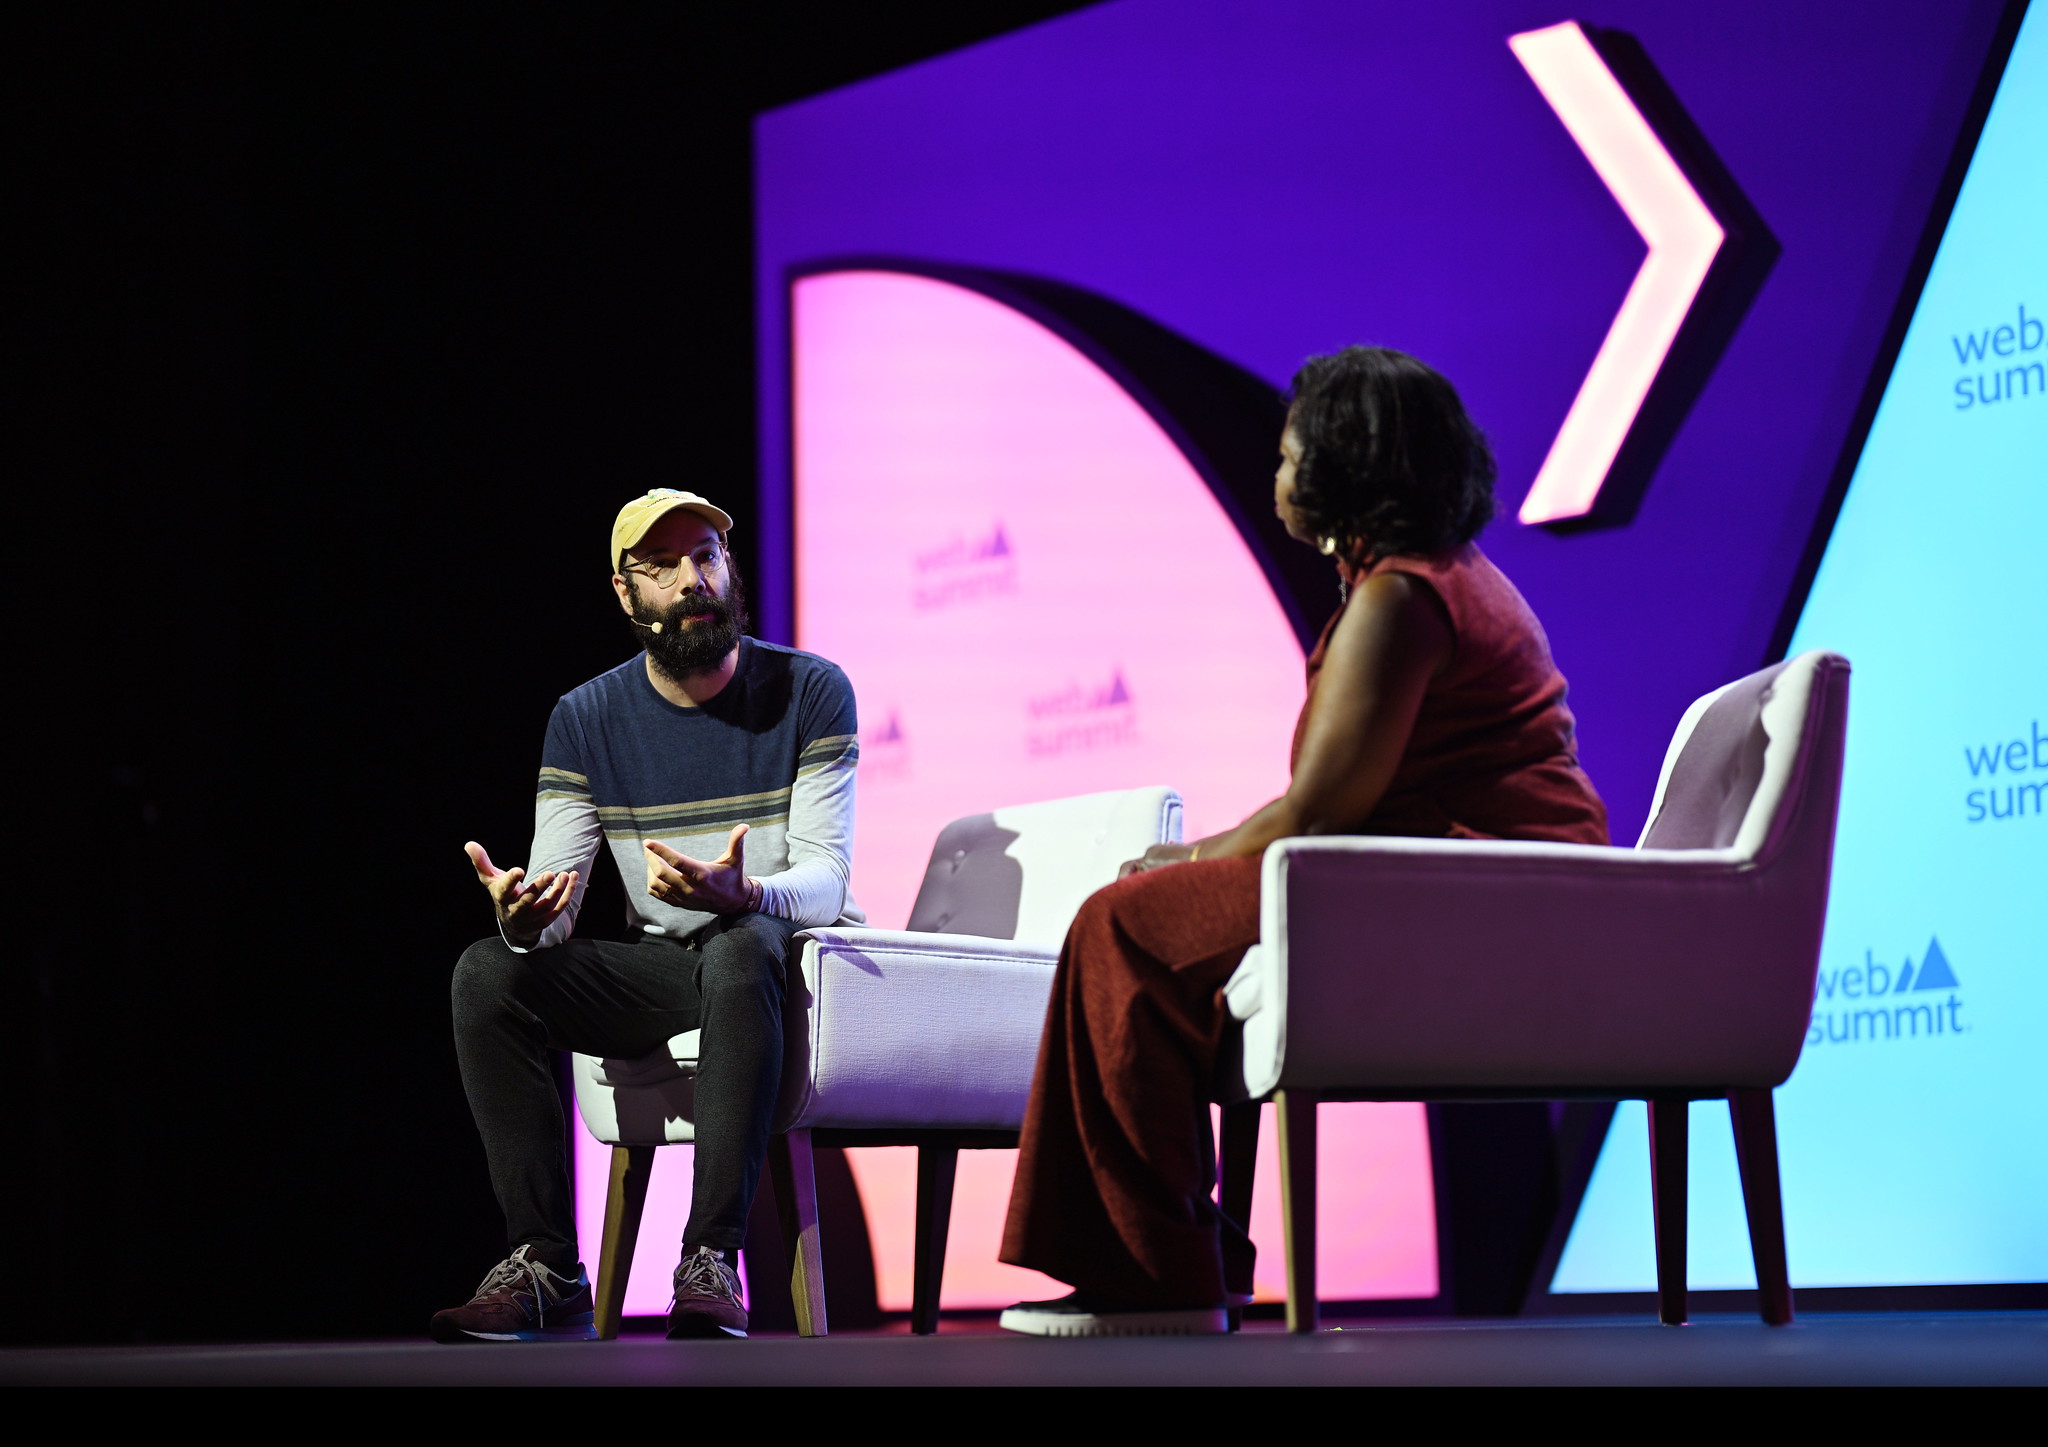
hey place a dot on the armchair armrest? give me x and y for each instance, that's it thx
(899, 1028)
(1457, 964)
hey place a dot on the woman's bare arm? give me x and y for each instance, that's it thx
(1391, 641)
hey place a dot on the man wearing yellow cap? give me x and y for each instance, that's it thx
(719, 772)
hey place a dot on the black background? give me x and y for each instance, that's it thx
(342, 331)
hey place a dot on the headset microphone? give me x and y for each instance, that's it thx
(650, 627)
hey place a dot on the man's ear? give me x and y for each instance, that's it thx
(624, 589)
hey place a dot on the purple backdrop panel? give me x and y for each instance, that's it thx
(1274, 179)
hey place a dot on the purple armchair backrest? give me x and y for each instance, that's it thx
(1746, 756)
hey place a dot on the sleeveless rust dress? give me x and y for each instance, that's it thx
(1115, 1173)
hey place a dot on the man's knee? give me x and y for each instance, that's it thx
(749, 959)
(487, 972)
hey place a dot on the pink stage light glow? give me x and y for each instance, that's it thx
(1683, 239)
(1036, 595)
(661, 1234)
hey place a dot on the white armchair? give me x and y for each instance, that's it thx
(1683, 969)
(925, 1036)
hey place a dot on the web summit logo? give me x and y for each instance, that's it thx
(885, 752)
(1078, 720)
(964, 569)
(1887, 1017)
(2003, 371)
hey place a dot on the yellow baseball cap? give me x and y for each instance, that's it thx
(637, 516)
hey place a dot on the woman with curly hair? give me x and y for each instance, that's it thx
(1434, 709)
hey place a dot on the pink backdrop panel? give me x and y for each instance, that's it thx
(1036, 595)
(1033, 591)
(661, 1226)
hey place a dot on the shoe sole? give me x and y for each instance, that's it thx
(581, 1327)
(588, 1333)
(702, 1328)
(1203, 1321)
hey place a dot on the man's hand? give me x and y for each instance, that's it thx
(719, 887)
(1156, 857)
(525, 907)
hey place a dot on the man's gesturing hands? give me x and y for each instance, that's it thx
(525, 907)
(720, 887)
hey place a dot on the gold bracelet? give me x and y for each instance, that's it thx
(1196, 852)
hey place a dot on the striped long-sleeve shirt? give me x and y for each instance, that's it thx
(775, 750)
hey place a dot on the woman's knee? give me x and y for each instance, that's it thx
(1110, 906)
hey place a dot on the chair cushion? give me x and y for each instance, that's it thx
(649, 1101)
(918, 1028)
(1733, 768)
(903, 1029)
(673, 1061)
(1717, 768)
(1022, 873)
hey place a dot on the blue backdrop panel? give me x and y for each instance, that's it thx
(1915, 1131)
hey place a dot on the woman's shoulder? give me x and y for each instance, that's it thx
(1462, 575)
(1486, 608)
(1462, 561)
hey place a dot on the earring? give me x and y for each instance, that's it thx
(1328, 546)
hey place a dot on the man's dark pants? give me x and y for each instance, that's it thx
(595, 997)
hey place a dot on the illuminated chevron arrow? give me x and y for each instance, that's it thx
(1640, 386)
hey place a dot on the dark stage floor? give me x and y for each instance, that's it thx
(1975, 1349)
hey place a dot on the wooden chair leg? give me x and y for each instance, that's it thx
(1668, 1120)
(1756, 1148)
(1236, 1171)
(937, 1165)
(624, 1199)
(796, 1194)
(1298, 1205)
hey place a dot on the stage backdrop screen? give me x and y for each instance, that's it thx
(1036, 595)
(1914, 1133)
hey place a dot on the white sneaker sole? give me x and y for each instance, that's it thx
(583, 1333)
(1199, 1321)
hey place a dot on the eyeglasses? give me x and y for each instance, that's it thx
(707, 559)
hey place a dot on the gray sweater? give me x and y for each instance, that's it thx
(775, 750)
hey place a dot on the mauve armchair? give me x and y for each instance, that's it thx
(1446, 970)
(924, 1036)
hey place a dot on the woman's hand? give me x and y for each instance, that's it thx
(1158, 856)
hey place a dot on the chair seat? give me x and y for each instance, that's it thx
(1563, 967)
(651, 1101)
(928, 1038)
(674, 1061)
(885, 1029)
(913, 1030)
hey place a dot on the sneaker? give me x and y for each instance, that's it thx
(522, 1300)
(1083, 1313)
(707, 1301)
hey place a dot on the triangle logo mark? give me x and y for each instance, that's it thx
(1117, 694)
(1935, 973)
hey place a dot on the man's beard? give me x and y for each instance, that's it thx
(683, 647)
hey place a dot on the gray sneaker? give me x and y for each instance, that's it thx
(707, 1301)
(521, 1300)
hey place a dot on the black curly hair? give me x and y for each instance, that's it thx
(1389, 460)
